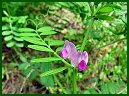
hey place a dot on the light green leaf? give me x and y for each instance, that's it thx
(104, 89)
(111, 88)
(19, 44)
(4, 33)
(25, 30)
(54, 71)
(10, 44)
(87, 92)
(45, 29)
(18, 39)
(56, 42)
(28, 34)
(5, 27)
(16, 33)
(40, 48)
(59, 49)
(49, 59)
(8, 38)
(106, 9)
(34, 40)
(48, 33)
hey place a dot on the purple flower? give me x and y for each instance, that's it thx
(68, 51)
(78, 59)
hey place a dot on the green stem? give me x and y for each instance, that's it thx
(112, 43)
(60, 85)
(66, 63)
(74, 81)
(86, 35)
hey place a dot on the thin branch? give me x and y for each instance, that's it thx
(23, 84)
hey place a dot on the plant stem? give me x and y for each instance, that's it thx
(112, 43)
(53, 50)
(86, 35)
(60, 85)
(74, 81)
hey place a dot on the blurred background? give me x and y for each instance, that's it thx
(106, 46)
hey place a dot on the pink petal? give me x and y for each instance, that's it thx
(70, 47)
(64, 53)
(82, 66)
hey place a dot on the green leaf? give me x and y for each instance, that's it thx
(105, 10)
(104, 89)
(87, 92)
(4, 33)
(93, 91)
(49, 59)
(16, 33)
(34, 40)
(55, 42)
(27, 70)
(59, 49)
(18, 38)
(25, 30)
(48, 33)
(19, 44)
(40, 48)
(5, 27)
(10, 44)
(45, 29)
(48, 81)
(23, 66)
(33, 75)
(28, 34)
(111, 87)
(114, 6)
(54, 71)
(104, 17)
(8, 38)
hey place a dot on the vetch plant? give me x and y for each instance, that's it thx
(78, 59)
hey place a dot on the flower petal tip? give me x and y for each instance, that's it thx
(82, 66)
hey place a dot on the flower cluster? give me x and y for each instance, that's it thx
(78, 59)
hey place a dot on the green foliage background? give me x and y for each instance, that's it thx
(27, 26)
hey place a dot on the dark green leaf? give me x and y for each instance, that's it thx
(104, 17)
(23, 66)
(33, 75)
(47, 80)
